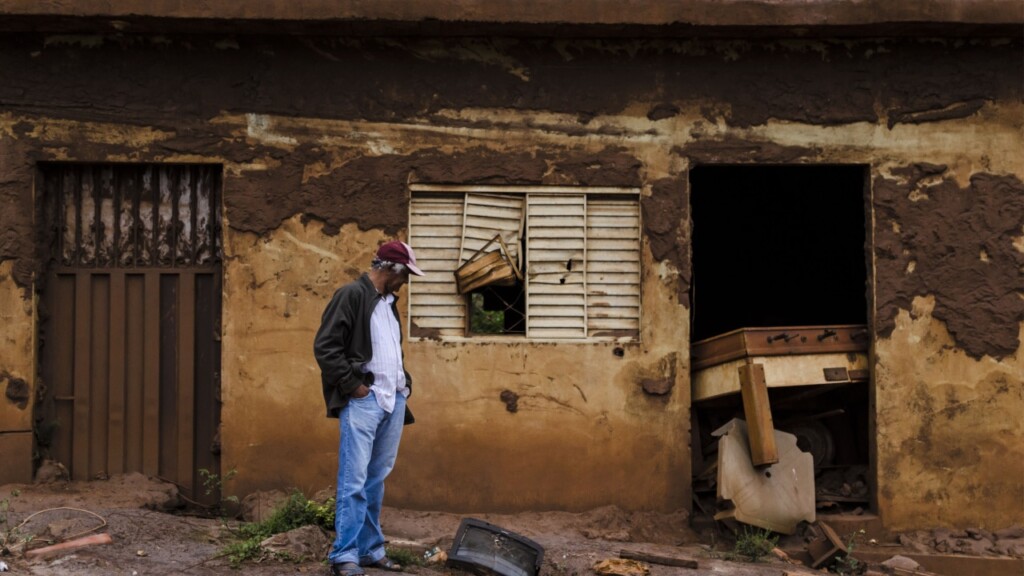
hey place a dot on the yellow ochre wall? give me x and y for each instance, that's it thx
(948, 429)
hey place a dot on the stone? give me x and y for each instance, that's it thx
(901, 562)
(307, 542)
(258, 506)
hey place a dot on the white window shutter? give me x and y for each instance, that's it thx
(613, 267)
(490, 214)
(556, 254)
(435, 231)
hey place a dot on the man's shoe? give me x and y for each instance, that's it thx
(385, 563)
(346, 569)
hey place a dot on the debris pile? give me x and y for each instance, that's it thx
(970, 542)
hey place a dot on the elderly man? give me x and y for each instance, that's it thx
(365, 386)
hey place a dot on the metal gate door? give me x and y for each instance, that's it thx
(131, 321)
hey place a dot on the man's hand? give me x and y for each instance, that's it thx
(361, 392)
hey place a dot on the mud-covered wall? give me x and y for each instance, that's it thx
(320, 136)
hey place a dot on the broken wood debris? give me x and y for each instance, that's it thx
(658, 559)
(826, 547)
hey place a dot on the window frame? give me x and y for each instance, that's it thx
(605, 197)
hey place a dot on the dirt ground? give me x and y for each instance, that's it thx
(151, 534)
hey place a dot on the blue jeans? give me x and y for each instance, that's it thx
(366, 455)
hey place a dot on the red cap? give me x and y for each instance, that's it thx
(401, 253)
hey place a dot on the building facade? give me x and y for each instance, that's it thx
(183, 189)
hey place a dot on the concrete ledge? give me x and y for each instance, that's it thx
(950, 564)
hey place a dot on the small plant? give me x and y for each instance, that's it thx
(214, 483)
(9, 535)
(755, 544)
(403, 556)
(847, 564)
(295, 512)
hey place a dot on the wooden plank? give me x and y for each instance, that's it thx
(186, 378)
(116, 359)
(802, 340)
(757, 411)
(658, 559)
(151, 375)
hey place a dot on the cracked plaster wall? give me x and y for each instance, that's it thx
(314, 180)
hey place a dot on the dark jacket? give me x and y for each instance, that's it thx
(342, 344)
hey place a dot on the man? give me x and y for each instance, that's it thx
(365, 385)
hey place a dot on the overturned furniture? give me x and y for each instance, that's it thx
(808, 381)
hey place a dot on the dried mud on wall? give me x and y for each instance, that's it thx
(949, 373)
(950, 434)
(320, 137)
(170, 91)
(958, 244)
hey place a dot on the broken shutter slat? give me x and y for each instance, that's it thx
(484, 216)
(556, 256)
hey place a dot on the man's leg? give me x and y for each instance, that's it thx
(358, 424)
(385, 450)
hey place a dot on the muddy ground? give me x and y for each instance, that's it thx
(152, 534)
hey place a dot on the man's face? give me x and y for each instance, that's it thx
(395, 280)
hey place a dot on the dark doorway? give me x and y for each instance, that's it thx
(780, 280)
(777, 246)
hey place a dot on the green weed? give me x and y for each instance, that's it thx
(403, 556)
(295, 512)
(847, 564)
(10, 536)
(754, 544)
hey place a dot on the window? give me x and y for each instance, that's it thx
(578, 250)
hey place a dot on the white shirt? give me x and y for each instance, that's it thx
(386, 363)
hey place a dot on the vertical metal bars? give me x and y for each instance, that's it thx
(133, 293)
